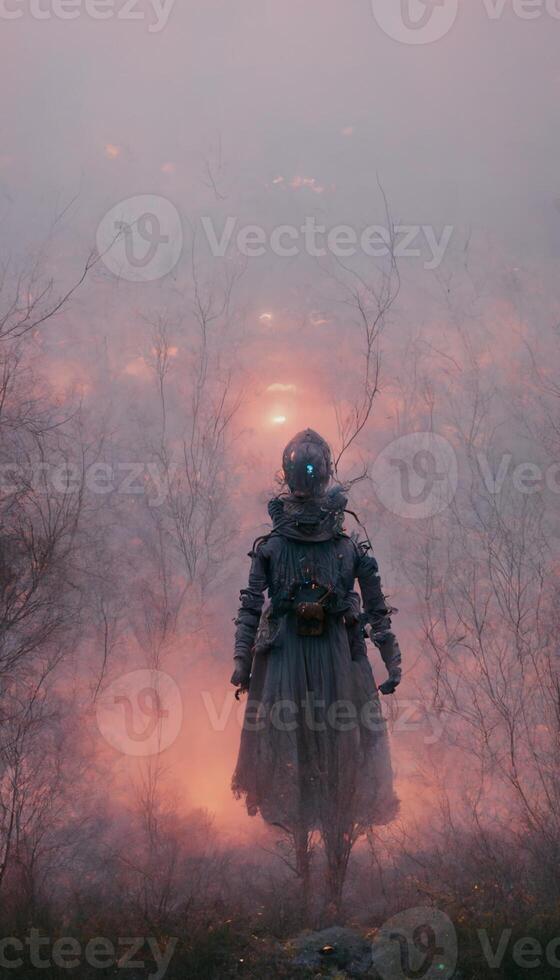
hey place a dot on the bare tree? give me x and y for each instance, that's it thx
(483, 573)
(43, 470)
(368, 297)
(184, 538)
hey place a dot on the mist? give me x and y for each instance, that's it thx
(223, 223)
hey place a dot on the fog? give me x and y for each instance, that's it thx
(251, 131)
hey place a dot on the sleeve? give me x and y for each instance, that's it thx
(378, 614)
(252, 601)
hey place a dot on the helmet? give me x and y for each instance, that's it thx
(307, 464)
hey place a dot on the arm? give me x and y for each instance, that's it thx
(378, 614)
(252, 601)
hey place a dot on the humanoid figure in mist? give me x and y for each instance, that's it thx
(314, 752)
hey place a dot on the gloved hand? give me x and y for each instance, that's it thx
(389, 686)
(242, 674)
(389, 648)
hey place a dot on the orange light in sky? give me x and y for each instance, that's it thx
(137, 369)
(112, 151)
(278, 386)
(310, 182)
(318, 319)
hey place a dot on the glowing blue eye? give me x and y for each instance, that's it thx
(310, 469)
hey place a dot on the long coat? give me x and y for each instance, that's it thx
(314, 746)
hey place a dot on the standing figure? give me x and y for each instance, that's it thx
(314, 752)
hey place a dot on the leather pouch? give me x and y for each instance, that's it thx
(310, 619)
